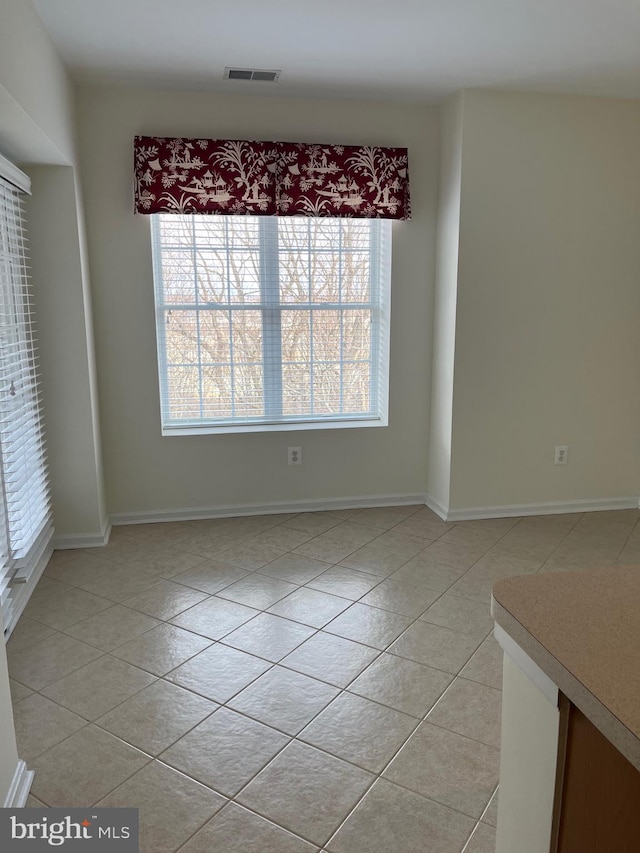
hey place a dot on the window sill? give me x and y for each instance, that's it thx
(289, 426)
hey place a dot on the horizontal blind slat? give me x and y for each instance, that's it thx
(25, 514)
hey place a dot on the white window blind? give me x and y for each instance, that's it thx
(271, 322)
(25, 522)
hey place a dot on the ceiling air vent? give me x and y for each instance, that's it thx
(251, 74)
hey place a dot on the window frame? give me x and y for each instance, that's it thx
(378, 305)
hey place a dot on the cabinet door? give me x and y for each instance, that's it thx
(600, 801)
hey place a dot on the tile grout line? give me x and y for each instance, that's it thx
(323, 629)
(379, 775)
(317, 631)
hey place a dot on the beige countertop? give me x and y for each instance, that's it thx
(583, 631)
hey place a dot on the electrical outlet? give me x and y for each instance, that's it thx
(294, 455)
(561, 454)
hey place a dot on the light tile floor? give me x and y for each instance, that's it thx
(281, 684)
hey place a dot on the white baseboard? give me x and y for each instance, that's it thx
(436, 507)
(271, 508)
(83, 540)
(514, 510)
(20, 786)
(90, 540)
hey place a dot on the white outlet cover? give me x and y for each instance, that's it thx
(561, 454)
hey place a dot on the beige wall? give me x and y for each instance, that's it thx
(444, 314)
(36, 101)
(548, 304)
(37, 126)
(63, 306)
(146, 472)
(535, 319)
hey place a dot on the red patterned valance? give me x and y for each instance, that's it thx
(270, 178)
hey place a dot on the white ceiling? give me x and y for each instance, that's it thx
(416, 50)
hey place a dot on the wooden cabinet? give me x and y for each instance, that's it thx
(598, 793)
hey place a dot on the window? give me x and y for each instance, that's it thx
(25, 513)
(271, 322)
